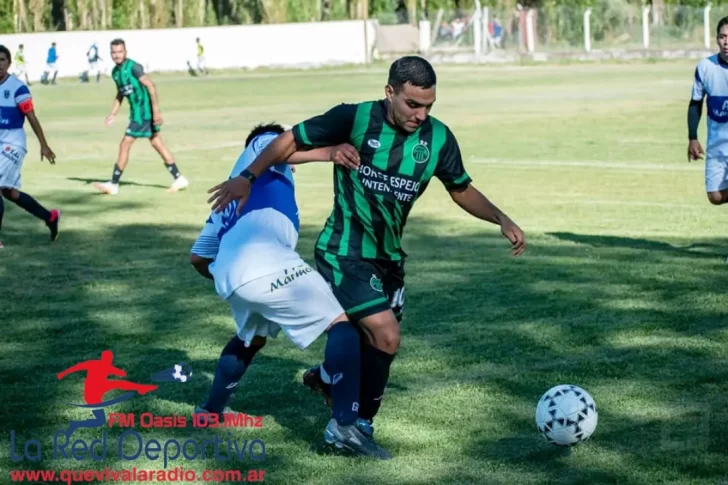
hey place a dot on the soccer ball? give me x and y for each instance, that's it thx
(566, 415)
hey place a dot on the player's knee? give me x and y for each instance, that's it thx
(387, 338)
(11, 194)
(716, 198)
(258, 342)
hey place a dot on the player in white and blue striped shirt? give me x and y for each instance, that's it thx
(711, 82)
(16, 104)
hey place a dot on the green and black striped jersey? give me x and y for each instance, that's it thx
(371, 205)
(126, 76)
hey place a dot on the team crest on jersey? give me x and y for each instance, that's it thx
(6, 93)
(376, 284)
(374, 143)
(420, 152)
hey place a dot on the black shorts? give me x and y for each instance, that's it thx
(364, 286)
(145, 129)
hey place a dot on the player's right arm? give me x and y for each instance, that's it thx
(695, 108)
(330, 128)
(114, 108)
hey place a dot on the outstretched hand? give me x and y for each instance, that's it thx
(237, 188)
(515, 235)
(345, 155)
(46, 152)
(695, 151)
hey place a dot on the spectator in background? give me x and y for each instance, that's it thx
(50, 65)
(495, 29)
(402, 14)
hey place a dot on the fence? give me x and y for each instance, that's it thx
(607, 26)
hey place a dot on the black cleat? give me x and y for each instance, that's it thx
(312, 380)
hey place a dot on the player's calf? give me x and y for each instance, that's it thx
(234, 360)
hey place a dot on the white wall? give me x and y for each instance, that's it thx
(249, 46)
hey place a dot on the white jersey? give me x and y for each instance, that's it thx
(711, 80)
(13, 94)
(261, 240)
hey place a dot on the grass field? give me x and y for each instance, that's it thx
(621, 290)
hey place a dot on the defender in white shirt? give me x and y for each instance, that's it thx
(16, 104)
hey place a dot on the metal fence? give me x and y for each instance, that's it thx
(608, 25)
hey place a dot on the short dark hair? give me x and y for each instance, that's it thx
(6, 51)
(118, 42)
(721, 23)
(260, 129)
(411, 69)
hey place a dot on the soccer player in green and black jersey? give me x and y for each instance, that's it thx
(145, 118)
(359, 252)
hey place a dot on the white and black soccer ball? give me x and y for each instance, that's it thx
(566, 415)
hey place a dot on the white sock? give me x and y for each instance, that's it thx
(324, 375)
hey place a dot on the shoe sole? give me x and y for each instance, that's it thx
(312, 382)
(104, 190)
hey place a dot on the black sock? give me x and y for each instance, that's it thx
(172, 168)
(31, 205)
(374, 380)
(343, 364)
(116, 175)
(234, 360)
(2, 210)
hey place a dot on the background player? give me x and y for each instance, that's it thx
(93, 57)
(711, 80)
(50, 65)
(21, 69)
(145, 117)
(359, 251)
(16, 105)
(201, 58)
(252, 258)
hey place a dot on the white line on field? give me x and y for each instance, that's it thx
(589, 164)
(190, 148)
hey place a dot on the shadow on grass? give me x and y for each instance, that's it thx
(474, 315)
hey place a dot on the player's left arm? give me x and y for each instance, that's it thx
(146, 81)
(25, 104)
(204, 250)
(452, 174)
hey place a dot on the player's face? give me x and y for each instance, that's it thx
(118, 53)
(410, 106)
(723, 40)
(4, 65)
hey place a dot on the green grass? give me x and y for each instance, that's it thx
(621, 290)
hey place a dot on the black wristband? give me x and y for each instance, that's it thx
(248, 175)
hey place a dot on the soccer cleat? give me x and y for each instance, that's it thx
(312, 380)
(180, 183)
(351, 438)
(54, 223)
(220, 416)
(107, 188)
(366, 427)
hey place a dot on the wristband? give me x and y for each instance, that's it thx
(248, 175)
